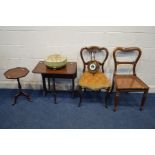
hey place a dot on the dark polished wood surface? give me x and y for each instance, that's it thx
(69, 69)
(128, 83)
(126, 50)
(91, 51)
(67, 72)
(15, 73)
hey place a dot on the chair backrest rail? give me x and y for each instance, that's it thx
(126, 50)
(92, 51)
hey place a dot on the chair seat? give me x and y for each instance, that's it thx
(94, 81)
(129, 82)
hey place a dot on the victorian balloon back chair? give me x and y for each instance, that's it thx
(129, 82)
(93, 77)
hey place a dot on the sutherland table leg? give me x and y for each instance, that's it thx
(49, 86)
(44, 85)
(54, 91)
(73, 89)
(143, 99)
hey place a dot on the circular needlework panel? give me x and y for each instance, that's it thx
(93, 66)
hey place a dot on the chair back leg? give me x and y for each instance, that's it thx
(143, 99)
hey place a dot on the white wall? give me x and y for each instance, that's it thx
(25, 46)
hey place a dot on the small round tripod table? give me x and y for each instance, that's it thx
(17, 73)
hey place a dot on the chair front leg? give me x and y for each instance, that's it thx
(116, 100)
(107, 96)
(112, 87)
(80, 95)
(143, 99)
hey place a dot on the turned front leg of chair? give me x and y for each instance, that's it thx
(106, 97)
(112, 87)
(80, 95)
(116, 100)
(143, 99)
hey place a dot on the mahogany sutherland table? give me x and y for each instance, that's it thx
(67, 72)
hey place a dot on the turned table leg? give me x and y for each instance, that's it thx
(73, 88)
(54, 91)
(44, 85)
(21, 93)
